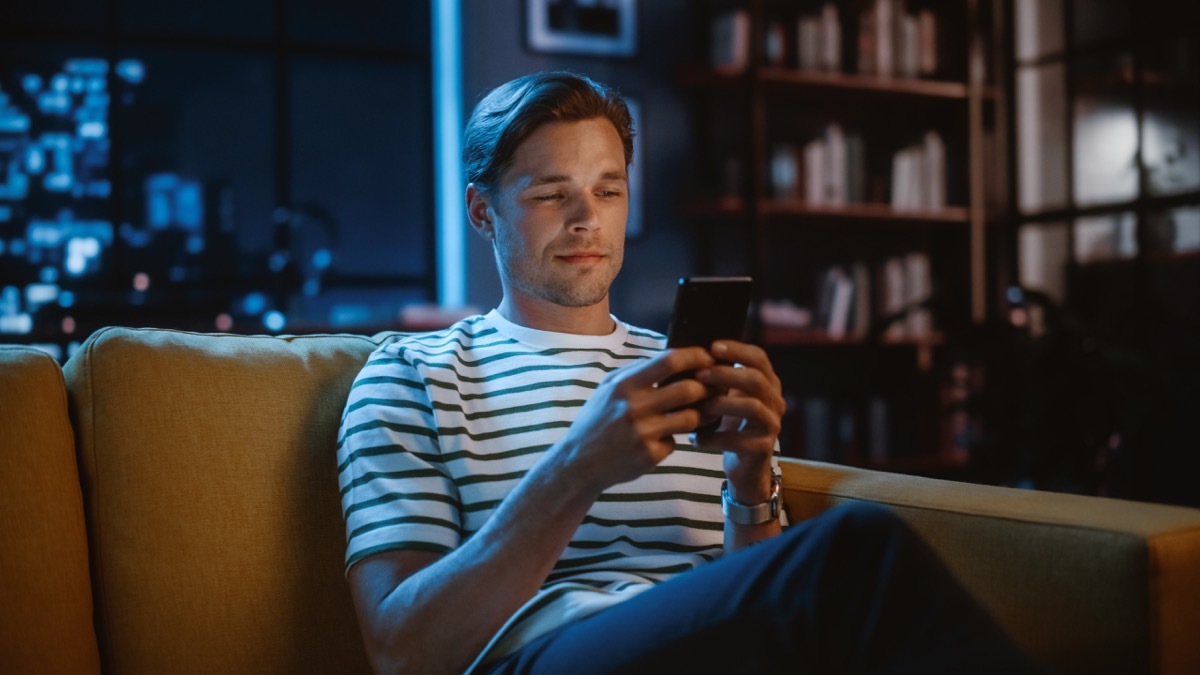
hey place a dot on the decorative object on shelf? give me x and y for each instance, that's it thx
(600, 27)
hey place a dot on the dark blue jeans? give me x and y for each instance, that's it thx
(851, 591)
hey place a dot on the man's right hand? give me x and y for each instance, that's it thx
(626, 428)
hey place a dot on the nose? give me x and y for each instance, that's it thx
(585, 216)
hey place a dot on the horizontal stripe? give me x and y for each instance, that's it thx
(514, 410)
(654, 522)
(405, 520)
(667, 546)
(391, 475)
(400, 496)
(623, 497)
(449, 432)
(398, 546)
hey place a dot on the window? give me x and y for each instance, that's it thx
(167, 164)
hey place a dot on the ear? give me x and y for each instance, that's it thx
(479, 212)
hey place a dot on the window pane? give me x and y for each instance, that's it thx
(1105, 131)
(1107, 237)
(195, 144)
(1039, 27)
(1041, 133)
(1175, 231)
(209, 118)
(1171, 125)
(55, 180)
(361, 159)
(386, 24)
(199, 18)
(1042, 258)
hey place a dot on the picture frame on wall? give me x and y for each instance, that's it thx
(587, 27)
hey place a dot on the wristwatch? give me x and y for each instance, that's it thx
(751, 514)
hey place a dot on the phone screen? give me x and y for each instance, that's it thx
(709, 309)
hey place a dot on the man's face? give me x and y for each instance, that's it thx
(559, 214)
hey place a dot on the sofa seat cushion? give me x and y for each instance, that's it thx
(45, 593)
(209, 472)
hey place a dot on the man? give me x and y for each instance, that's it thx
(522, 496)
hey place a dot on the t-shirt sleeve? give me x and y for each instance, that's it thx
(396, 492)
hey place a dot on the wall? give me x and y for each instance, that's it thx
(494, 51)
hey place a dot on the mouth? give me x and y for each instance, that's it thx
(581, 257)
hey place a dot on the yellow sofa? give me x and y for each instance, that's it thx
(169, 504)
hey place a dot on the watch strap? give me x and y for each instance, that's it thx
(751, 514)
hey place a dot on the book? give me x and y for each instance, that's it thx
(831, 39)
(918, 288)
(879, 428)
(731, 41)
(927, 50)
(815, 152)
(884, 25)
(860, 321)
(808, 43)
(866, 41)
(933, 165)
(891, 296)
(773, 44)
(818, 428)
(841, 304)
(835, 170)
(856, 169)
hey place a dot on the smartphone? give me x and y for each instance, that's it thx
(708, 309)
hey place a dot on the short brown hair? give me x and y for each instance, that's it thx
(509, 113)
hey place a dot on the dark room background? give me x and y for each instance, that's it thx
(271, 166)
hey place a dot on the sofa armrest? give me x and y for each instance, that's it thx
(1085, 584)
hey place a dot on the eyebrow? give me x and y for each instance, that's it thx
(563, 178)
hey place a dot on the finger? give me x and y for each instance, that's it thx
(679, 394)
(748, 381)
(670, 362)
(747, 355)
(758, 416)
(682, 421)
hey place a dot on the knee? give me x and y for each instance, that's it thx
(863, 519)
(864, 531)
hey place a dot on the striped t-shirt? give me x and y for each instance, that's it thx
(439, 427)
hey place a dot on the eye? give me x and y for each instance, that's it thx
(551, 197)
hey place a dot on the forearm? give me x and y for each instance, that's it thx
(439, 619)
(751, 480)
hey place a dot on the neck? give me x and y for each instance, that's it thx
(590, 320)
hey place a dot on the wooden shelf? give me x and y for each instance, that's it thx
(871, 213)
(783, 336)
(878, 213)
(828, 83)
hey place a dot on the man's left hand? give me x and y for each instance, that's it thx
(750, 403)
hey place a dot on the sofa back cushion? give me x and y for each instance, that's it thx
(209, 474)
(45, 593)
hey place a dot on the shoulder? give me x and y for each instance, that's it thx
(644, 339)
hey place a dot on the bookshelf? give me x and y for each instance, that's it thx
(851, 183)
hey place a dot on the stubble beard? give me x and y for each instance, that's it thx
(535, 278)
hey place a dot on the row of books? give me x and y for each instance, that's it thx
(891, 41)
(875, 428)
(838, 429)
(850, 303)
(831, 170)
